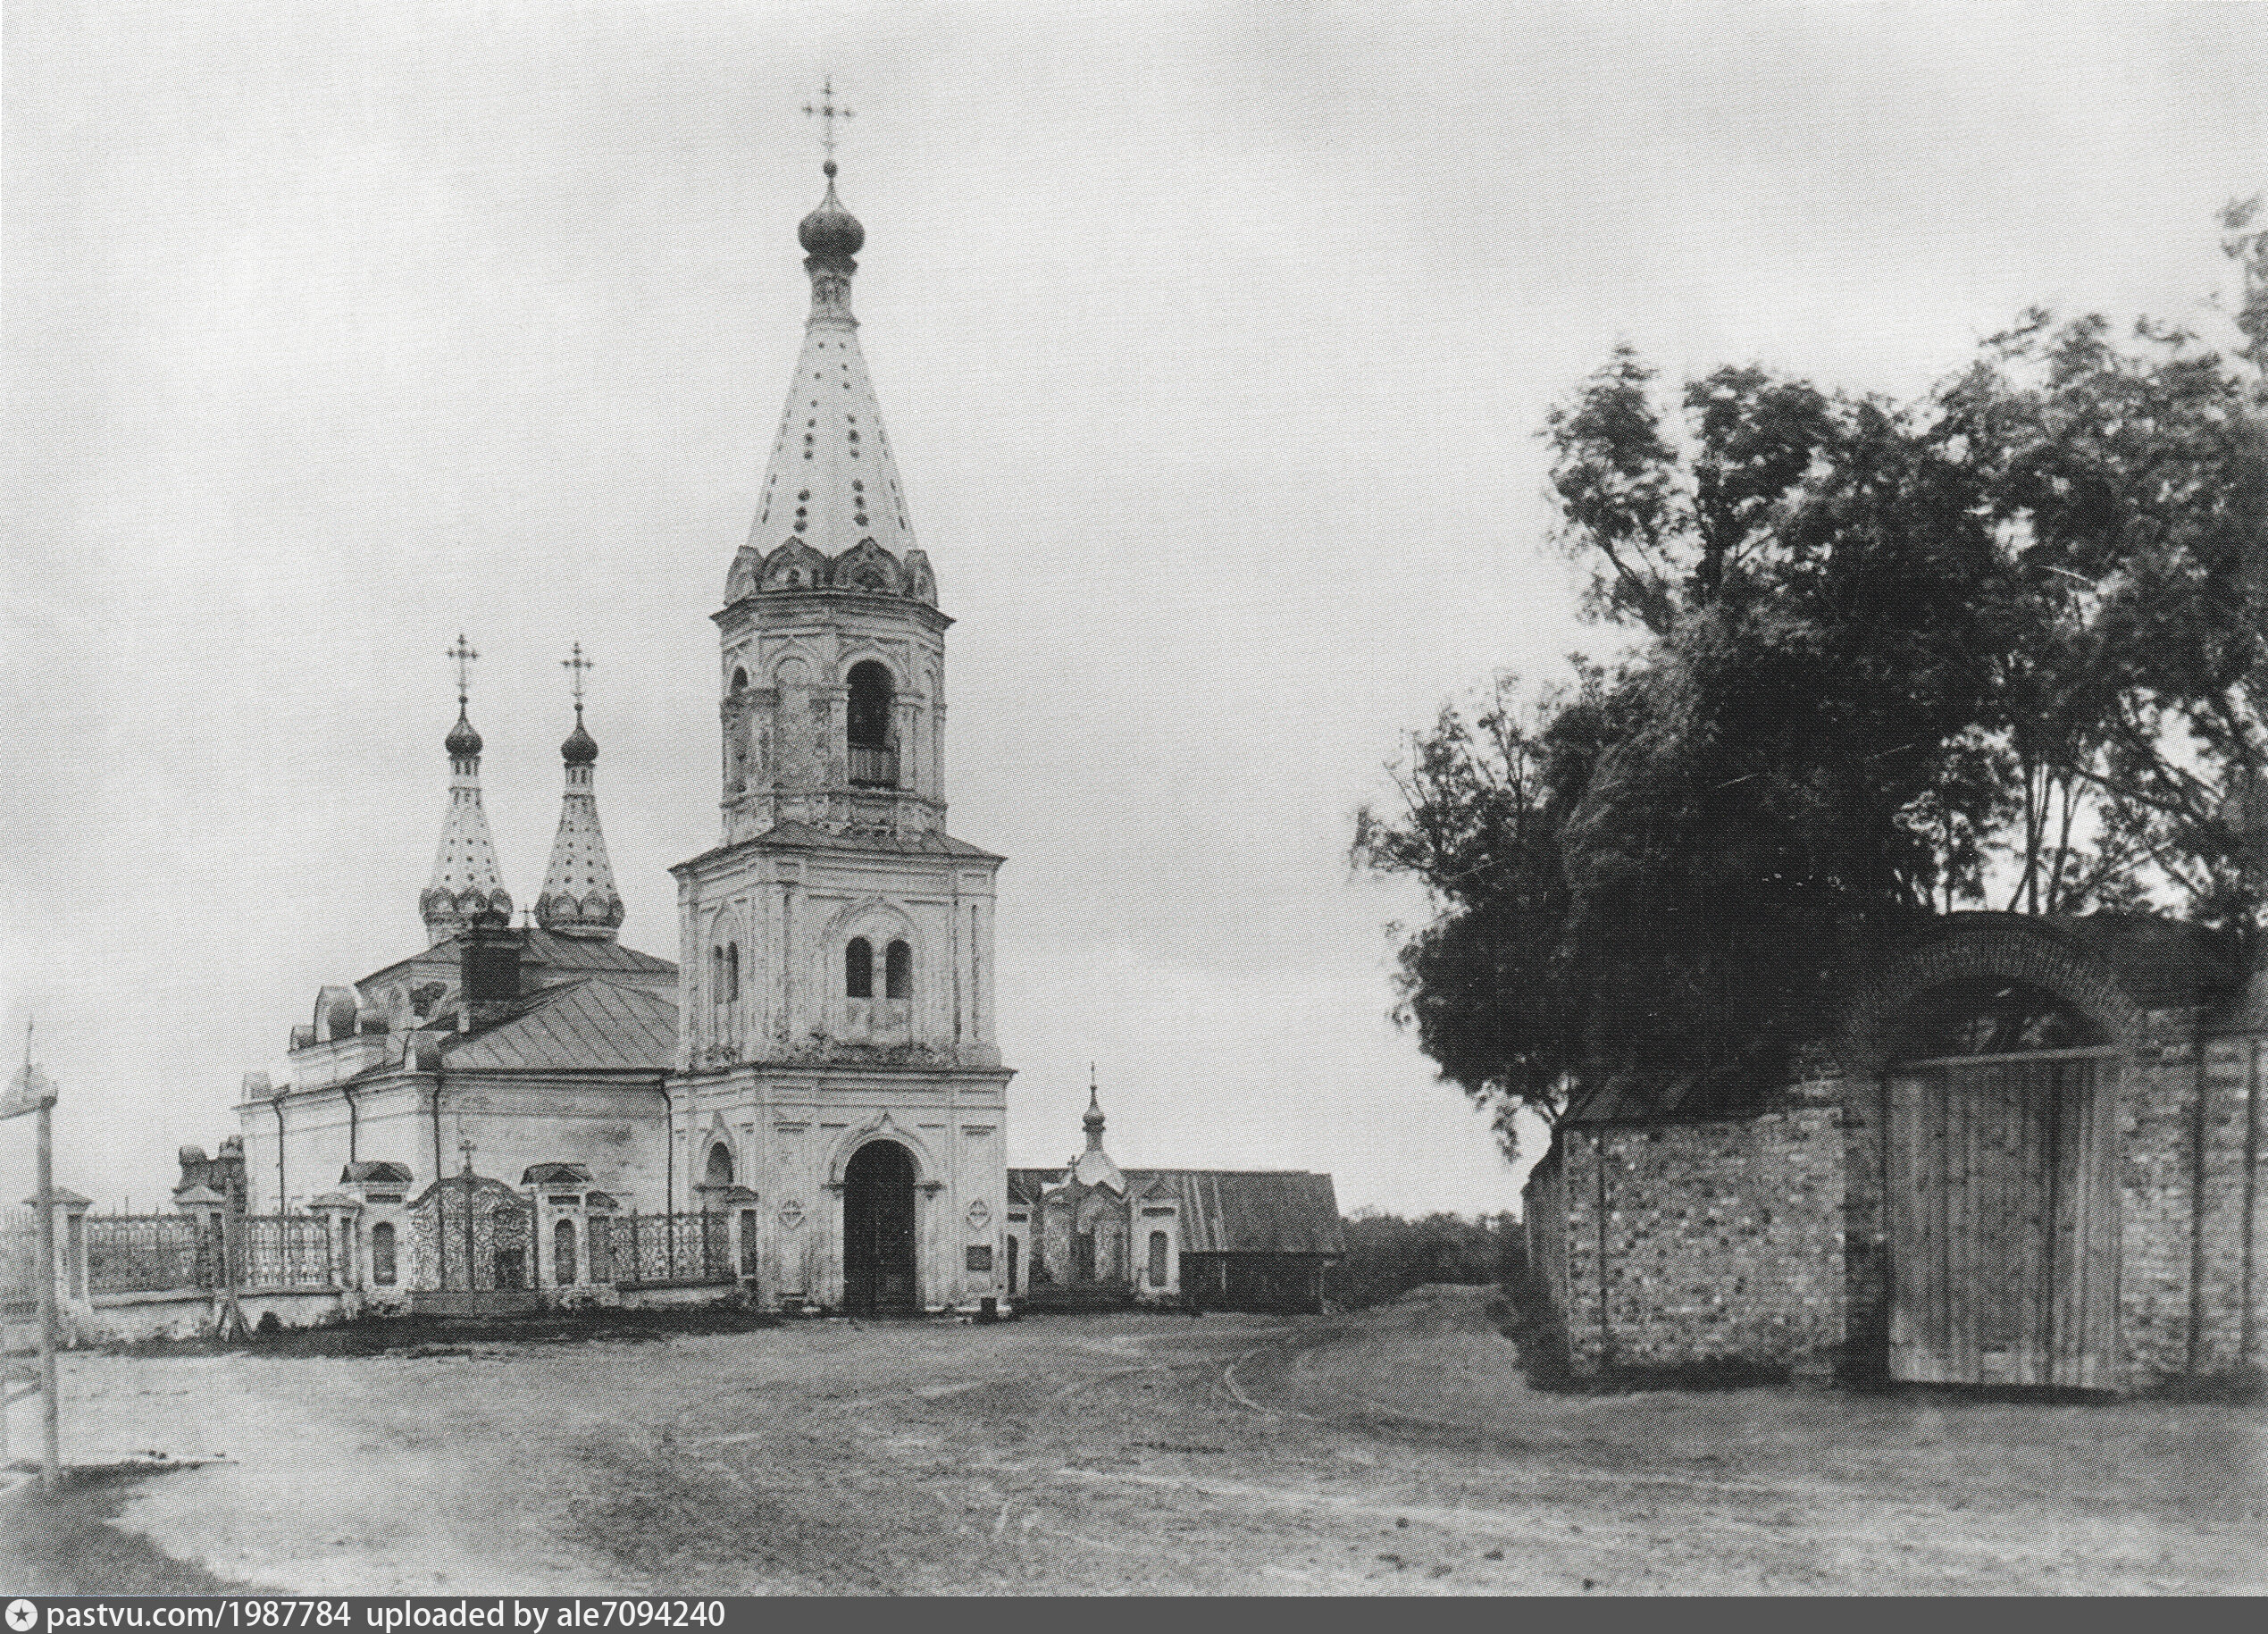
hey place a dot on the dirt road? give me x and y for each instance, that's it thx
(1393, 1452)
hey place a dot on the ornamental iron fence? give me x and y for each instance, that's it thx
(148, 1254)
(651, 1248)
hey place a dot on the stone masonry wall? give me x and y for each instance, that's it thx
(1718, 1241)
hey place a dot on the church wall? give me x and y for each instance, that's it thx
(616, 1130)
(1159, 1219)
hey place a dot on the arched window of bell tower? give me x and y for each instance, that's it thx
(898, 971)
(874, 754)
(858, 968)
(739, 680)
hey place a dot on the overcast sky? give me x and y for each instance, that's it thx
(1213, 340)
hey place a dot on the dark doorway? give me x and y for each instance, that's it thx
(878, 1230)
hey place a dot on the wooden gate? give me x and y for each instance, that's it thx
(2004, 1219)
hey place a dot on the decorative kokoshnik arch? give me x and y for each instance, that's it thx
(927, 1175)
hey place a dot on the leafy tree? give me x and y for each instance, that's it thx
(1387, 1255)
(2003, 645)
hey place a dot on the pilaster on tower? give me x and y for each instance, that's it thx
(579, 898)
(466, 879)
(833, 655)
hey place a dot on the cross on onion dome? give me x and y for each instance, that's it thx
(827, 113)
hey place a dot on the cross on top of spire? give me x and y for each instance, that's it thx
(463, 654)
(827, 113)
(576, 669)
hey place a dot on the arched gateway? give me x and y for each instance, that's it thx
(1999, 1135)
(878, 1230)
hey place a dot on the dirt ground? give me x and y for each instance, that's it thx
(1390, 1452)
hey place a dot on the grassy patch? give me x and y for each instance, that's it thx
(445, 1334)
(63, 1543)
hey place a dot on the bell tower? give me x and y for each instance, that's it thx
(836, 1040)
(832, 668)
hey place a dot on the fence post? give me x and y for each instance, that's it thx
(339, 1213)
(70, 1252)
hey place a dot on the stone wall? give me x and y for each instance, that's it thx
(1684, 1243)
(2191, 1166)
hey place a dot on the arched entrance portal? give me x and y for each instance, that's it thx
(878, 1230)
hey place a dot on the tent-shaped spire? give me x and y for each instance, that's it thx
(832, 488)
(466, 879)
(579, 898)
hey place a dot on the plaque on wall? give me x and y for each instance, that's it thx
(980, 1256)
(790, 1213)
(980, 1215)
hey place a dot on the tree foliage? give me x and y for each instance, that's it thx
(2005, 645)
(1387, 1255)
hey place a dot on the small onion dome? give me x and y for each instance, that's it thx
(462, 741)
(580, 748)
(830, 233)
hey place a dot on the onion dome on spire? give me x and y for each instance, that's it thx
(466, 879)
(830, 233)
(462, 741)
(579, 898)
(1093, 1166)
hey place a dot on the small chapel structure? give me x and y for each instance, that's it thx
(1091, 1235)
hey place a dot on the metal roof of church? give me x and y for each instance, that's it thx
(572, 955)
(591, 1025)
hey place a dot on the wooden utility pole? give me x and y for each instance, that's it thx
(33, 1090)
